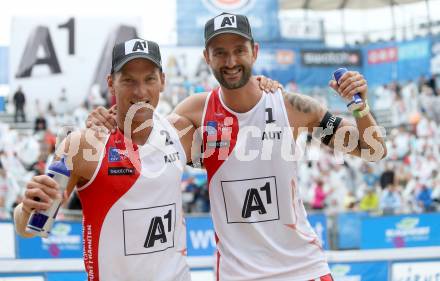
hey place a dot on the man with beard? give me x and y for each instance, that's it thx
(260, 223)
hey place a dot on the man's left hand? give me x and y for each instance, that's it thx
(268, 85)
(351, 83)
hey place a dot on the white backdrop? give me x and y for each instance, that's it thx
(77, 70)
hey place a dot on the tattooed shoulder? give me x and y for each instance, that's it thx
(303, 103)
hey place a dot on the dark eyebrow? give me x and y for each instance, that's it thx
(218, 49)
(124, 74)
(238, 45)
(153, 73)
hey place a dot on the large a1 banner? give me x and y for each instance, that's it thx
(48, 54)
(192, 16)
(418, 230)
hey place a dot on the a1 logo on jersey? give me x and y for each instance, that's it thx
(251, 200)
(149, 230)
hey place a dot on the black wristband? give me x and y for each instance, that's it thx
(329, 124)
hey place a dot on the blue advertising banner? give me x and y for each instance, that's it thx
(41, 276)
(359, 271)
(279, 62)
(309, 67)
(416, 230)
(4, 65)
(64, 242)
(283, 62)
(66, 276)
(403, 61)
(349, 230)
(200, 236)
(192, 16)
(22, 277)
(319, 224)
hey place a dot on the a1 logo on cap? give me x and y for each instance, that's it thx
(136, 46)
(224, 21)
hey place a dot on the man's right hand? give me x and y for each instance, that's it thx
(40, 192)
(102, 117)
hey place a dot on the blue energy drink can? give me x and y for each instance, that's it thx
(40, 222)
(356, 101)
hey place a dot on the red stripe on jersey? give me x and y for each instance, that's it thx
(102, 193)
(220, 130)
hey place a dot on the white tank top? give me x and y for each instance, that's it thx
(133, 223)
(260, 222)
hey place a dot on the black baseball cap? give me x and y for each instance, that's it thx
(227, 23)
(133, 49)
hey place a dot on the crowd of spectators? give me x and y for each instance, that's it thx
(407, 181)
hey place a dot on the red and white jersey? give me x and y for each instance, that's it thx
(261, 225)
(133, 223)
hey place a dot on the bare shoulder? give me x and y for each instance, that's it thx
(302, 103)
(192, 108)
(83, 150)
(303, 110)
(179, 122)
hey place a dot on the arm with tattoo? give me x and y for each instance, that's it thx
(307, 114)
(302, 103)
(304, 112)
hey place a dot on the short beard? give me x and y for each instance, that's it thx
(247, 73)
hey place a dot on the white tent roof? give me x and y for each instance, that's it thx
(339, 4)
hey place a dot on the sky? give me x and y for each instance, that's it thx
(158, 17)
